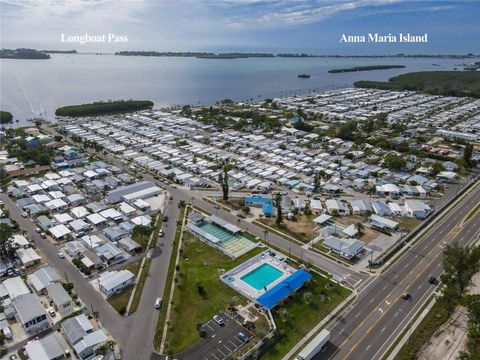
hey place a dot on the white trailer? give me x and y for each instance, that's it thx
(318, 343)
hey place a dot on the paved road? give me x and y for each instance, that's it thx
(91, 298)
(367, 328)
(140, 342)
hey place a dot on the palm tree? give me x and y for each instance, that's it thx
(371, 190)
(360, 227)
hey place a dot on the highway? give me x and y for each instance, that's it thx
(367, 328)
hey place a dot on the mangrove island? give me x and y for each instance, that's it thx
(366, 68)
(99, 108)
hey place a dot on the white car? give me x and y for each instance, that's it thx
(61, 255)
(158, 303)
(218, 320)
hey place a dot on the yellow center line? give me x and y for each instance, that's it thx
(390, 293)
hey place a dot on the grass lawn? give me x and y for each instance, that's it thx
(301, 312)
(408, 223)
(233, 203)
(301, 229)
(120, 301)
(199, 263)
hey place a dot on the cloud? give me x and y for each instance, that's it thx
(283, 13)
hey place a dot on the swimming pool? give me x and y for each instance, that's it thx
(262, 276)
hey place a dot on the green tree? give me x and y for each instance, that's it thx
(467, 154)
(223, 178)
(278, 204)
(5, 233)
(460, 264)
(436, 168)
(359, 227)
(394, 162)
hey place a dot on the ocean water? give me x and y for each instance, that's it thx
(35, 88)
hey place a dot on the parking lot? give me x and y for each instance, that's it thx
(220, 342)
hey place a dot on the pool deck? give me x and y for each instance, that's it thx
(233, 277)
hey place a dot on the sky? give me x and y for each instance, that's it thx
(310, 26)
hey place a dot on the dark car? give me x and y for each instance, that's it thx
(433, 280)
(165, 218)
(406, 296)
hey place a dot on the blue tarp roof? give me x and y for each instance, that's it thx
(257, 200)
(267, 209)
(282, 290)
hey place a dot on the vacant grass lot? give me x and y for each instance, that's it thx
(300, 313)
(200, 264)
(302, 228)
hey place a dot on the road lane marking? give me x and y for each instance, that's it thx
(214, 356)
(368, 347)
(395, 288)
(395, 314)
(383, 329)
(358, 314)
(220, 351)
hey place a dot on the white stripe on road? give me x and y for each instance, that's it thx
(220, 351)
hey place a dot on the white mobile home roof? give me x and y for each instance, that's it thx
(59, 231)
(111, 279)
(15, 287)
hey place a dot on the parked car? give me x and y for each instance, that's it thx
(7, 333)
(13, 357)
(432, 280)
(24, 214)
(61, 255)
(244, 337)
(52, 313)
(218, 320)
(406, 296)
(158, 303)
(161, 233)
(216, 206)
(165, 218)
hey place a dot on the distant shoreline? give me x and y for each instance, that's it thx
(366, 68)
(7, 53)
